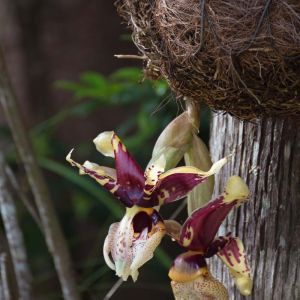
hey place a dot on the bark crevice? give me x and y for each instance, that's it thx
(267, 156)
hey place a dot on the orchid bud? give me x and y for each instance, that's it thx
(199, 157)
(174, 140)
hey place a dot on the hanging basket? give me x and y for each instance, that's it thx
(238, 56)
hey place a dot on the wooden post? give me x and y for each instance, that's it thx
(267, 156)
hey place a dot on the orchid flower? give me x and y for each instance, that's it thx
(190, 276)
(131, 242)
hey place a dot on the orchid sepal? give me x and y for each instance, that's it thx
(233, 255)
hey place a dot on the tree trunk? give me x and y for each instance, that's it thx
(267, 156)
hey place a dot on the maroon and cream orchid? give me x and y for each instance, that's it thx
(131, 242)
(190, 276)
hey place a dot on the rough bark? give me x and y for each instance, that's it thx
(268, 158)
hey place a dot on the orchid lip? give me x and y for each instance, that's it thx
(131, 243)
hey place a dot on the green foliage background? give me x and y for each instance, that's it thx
(85, 209)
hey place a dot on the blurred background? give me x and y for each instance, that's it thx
(60, 57)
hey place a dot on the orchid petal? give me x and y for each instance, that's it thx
(176, 183)
(106, 177)
(108, 244)
(129, 174)
(144, 251)
(217, 245)
(202, 288)
(110, 172)
(234, 256)
(188, 266)
(200, 228)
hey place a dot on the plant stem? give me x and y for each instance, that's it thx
(14, 236)
(53, 234)
(4, 291)
(22, 196)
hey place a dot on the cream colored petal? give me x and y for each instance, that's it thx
(103, 143)
(108, 244)
(100, 169)
(102, 175)
(122, 247)
(215, 168)
(145, 253)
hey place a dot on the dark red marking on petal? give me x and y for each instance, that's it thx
(129, 174)
(216, 246)
(205, 223)
(175, 187)
(141, 221)
(119, 193)
(233, 248)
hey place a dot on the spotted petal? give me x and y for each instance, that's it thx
(234, 256)
(200, 229)
(106, 177)
(129, 174)
(176, 183)
(144, 250)
(131, 243)
(109, 244)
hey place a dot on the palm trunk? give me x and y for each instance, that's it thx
(267, 156)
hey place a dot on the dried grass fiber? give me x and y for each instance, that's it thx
(239, 56)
